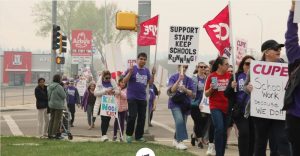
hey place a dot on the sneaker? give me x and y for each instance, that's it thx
(114, 138)
(200, 145)
(193, 140)
(211, 150)
(93, 126)
(104, 138)
(129, 139)
(140, 139)
(175, 143)
(90, 128)
(181, 146)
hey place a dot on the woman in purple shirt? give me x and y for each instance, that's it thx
(292, 98)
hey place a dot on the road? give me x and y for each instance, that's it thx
(21, 120)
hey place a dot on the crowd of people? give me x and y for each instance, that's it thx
(229, 103)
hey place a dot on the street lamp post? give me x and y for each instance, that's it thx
(261, 25)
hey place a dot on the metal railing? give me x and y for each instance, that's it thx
(17, 95)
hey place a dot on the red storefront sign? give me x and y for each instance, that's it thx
(17, 63)
(81, 43)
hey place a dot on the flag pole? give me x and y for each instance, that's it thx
(156, 41)
(231, 42)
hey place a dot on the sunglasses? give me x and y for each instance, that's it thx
(107, 78)
(247, 63)
(203, 67)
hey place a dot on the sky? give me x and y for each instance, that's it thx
(18, 30)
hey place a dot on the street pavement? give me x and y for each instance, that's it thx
(21, 120)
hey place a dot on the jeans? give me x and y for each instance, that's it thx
(104, 124)
(220, 121)
(293, 129)
(136, 109)
(89, 112)
(246, 136)
(180, 124)
(55, 119)
(265, 128)
(121, 116)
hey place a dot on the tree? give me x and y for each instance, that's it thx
(81, 15)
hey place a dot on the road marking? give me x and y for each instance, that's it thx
(12, 125)
(168, 128)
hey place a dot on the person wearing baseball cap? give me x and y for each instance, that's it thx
(269, 129)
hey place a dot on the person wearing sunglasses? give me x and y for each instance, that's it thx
(105, 86)
(268, 129)
(292, 98)
(137, 78)
(237, 102)
(180, 91)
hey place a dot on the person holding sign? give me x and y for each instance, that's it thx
(292, 99)
(104, 86)
(214, 89)
(237, 103)
(180, 90)
(137, 78)
(268, 129)
(88, 103)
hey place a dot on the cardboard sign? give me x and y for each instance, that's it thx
(268, 80)
(183, 45)
(108, 106)
(241, 47)
(297, 12)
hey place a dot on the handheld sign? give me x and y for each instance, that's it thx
(297, 12)
(183, 45)
(268, 80)
(108, 106)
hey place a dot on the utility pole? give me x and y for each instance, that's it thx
(53, 52)
(144, 13)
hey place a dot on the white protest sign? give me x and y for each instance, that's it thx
(114, 58)
(183, 45)
(204, 104)
(268, 80)
(81, 87)
(161, 76)
(241, 47)
(108, 106)
(297, 12)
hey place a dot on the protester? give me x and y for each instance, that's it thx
(88, 103)
(72, 100)
(200, 119)
(56, 99)
(104, 86)
(269, 129)
(41, 96)
(122, 109)
(137, 77)
(180, 91)
(237, 103)
(292, 99)
(214, 89)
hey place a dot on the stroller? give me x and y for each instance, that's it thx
(65, 124)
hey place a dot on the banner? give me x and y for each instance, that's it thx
(219, 32)
(268, 80)
(241, 47)
(183, 45)
(148, 32)
(297, 12)
(108, 106)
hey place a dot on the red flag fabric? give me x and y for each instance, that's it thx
(218, 31)
(148, 32)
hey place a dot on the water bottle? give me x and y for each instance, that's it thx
(214, 81)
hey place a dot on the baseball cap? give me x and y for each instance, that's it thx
(270, 44)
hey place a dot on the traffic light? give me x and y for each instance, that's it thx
(55, 35)
(126, 21)
(62, 44)
(60, 60)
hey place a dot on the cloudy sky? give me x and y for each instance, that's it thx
(18, 29)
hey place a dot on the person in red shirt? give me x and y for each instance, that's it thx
(215, 86)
